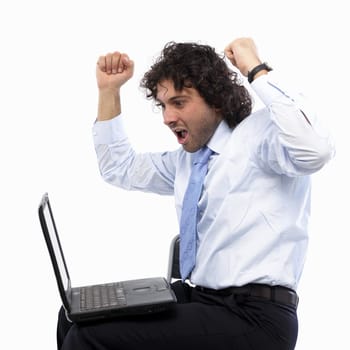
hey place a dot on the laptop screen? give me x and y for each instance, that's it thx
(56, 246)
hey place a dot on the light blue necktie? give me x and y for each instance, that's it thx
(188, 222)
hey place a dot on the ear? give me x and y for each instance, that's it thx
(218, 113)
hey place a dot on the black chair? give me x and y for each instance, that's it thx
(174, 260)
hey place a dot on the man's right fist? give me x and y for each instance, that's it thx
(113, 70)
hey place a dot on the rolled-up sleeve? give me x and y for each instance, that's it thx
(121, 166)
(294, 144)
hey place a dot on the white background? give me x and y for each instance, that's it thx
(47, 107)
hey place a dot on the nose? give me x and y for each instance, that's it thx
(169, 117)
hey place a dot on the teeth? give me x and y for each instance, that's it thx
(180, 132)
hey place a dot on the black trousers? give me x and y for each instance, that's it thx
(198, 321)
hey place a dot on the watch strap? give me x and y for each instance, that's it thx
(257, 69)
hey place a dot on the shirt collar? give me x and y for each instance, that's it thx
(220, 137)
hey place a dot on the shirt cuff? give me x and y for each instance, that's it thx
(109, 131)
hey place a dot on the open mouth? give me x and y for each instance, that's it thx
(181, 135)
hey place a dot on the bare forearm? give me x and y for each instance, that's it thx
(109, 105)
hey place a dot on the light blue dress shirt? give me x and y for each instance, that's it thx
(255, 205)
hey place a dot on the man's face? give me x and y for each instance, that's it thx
(188, 116)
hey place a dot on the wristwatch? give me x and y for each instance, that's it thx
(257, 69)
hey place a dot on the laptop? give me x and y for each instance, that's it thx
(101, 301)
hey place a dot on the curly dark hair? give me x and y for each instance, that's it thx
(200, 67)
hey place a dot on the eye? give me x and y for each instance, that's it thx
(179, 103)
(160, 105)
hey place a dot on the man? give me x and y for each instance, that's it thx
(251, 234)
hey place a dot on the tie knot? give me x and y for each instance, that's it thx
(202, 156)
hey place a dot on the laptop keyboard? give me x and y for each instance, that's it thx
(102, 296)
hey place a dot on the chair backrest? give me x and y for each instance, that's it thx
(174, 260)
